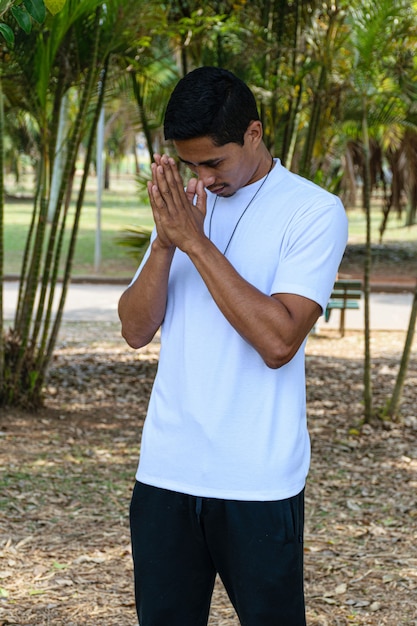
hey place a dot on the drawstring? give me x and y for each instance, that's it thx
(198, 507)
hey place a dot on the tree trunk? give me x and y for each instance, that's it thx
(142, 114)
(367, 271)
(392, 408)
(47, 354)
(410, 219)
(2, 349)
(313, 125)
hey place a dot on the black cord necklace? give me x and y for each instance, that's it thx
(243, 212)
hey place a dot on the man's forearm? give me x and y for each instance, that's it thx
(142, 305)
(274, 325)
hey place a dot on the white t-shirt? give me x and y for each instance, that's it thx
(220, 423)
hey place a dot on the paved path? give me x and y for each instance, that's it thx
(84, 302)
(388, 311)
(98, 302)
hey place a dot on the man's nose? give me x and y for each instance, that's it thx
(206, 175)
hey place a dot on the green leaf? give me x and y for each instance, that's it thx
(23, 18)
(8, 34)
(4, 5)
(36, 8)
(54, 6)
(33, 377)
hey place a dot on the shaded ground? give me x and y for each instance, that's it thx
(391, 262)
(67, 474)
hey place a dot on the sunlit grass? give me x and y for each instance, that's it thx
(395, 231)
(121, 208)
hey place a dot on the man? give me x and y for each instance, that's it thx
(240, 266)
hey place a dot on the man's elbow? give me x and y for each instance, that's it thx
(134, 340)
(280, 354)
(275, 362)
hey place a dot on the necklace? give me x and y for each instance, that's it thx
(243, 212)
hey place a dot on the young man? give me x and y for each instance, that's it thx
(240, 266)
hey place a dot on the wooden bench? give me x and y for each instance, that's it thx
(345, 295)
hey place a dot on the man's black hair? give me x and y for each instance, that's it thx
(210, 102)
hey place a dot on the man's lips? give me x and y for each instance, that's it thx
(217, 190)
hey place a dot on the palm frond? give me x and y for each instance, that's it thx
(136, 239)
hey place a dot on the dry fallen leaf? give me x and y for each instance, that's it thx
(68, 474)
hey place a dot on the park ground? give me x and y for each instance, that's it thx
(67, 474)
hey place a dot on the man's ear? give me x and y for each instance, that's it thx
(254, 132)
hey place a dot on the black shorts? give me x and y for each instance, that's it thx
(180, 542)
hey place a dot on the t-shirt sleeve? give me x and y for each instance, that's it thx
(144, 258)
(312, 249)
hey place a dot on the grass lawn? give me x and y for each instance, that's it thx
(122, 208)
(395, 231)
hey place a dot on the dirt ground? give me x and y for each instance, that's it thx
(67, 474)
(393, 264)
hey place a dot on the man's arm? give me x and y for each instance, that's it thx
(142, 305)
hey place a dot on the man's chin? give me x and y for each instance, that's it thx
(224, 192)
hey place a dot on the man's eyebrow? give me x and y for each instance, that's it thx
(209, 162)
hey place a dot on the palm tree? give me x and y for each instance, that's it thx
(376, 27)
(71, 57)
(24, 16)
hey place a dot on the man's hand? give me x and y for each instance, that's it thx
(178, 221)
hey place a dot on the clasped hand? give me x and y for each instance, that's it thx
(178, 220)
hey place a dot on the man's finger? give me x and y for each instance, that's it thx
(172, 192)
(201, 194)
(190, 190)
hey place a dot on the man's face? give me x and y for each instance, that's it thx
(223, 169)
